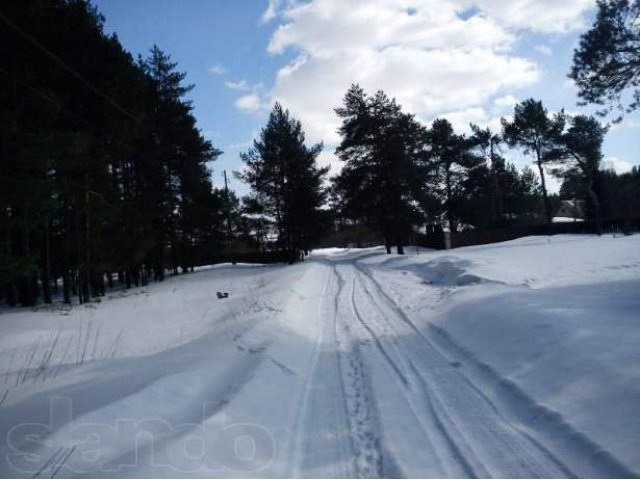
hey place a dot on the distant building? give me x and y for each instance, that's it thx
(570, 210)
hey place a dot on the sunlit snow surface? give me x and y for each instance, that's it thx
(517, 359)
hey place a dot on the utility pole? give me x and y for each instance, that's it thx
(226, 192)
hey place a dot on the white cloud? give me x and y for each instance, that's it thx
(240, 85)
(544, 50)
(250, 103)
(616, 164)
(505, 101)
(322, 26)
(428, 54)
(436, 57)
(460, 119)
(217, 69)
(547, 16)
(271, 12)
(327, 158)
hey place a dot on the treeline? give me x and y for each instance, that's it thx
(103, 171)
(618, 194)
(399, 174)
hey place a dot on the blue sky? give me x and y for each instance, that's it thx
(469, 60)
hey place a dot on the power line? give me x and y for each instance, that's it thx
(67, 68)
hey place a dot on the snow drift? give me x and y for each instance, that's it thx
(516, 360)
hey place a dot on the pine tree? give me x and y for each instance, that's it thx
(606, 63)
(182, 183)
(581, 154)
(539, 134)
(453, 155)
(381, 147)
(103, 166)
(282, 172)
(489, 143)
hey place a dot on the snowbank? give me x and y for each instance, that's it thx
(512, 360)
(560, 323)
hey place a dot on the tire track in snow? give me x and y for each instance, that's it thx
(368, 460)
(376, 339)
(298, 434)
(531, 420)
(479, 432)
(457, 453)
(422, 407)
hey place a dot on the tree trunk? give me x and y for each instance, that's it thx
(66, 280)
(77, 273)
(25, 286)
(66, 288)
(545, 197)
(453, 227)
(497, 192)
(25, 291)
(46, 267)
(11, 294)
(101, 287)
(86, 290)
(596, 207)
(387, 244)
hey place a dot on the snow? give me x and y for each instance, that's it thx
(517, 359)
(566, 219)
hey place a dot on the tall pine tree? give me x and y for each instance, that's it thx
(381, 149)
(282, 172)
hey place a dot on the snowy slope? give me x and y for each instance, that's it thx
(516, 360)
(557, 320)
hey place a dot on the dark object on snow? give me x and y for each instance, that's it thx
(222, 294)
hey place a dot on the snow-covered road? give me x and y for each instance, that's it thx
(409, 409)
(352, 364)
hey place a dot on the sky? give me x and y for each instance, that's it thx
(467, 60)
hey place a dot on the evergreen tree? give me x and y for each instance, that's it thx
(582, 154)
(282, 172)
(606, 63)
(103, 167)
(489, 144)
(254, 224)
(381, 147)
(619, 194)
(454, 157)
(539, 134)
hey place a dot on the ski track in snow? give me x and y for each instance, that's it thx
(478, 438)
(350, 384)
